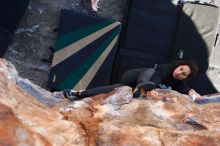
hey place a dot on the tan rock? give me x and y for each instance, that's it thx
(30, 115)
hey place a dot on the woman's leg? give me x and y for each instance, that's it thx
(144, 82)
(72, 94)
(130, 77)
(146, 75)
(98, 90)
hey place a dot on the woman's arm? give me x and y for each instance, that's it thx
(192, 93)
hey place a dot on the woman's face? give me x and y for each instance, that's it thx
(181, 72)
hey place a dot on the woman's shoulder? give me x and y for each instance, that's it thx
(164, 67)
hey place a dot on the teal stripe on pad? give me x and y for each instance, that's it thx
(69, 38)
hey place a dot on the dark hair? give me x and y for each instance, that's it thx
(192, 65)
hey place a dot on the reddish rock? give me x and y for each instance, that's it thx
(13, 132)
(30, 115)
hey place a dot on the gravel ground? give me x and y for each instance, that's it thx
(35, 33)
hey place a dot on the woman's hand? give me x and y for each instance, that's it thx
(152, 93)
(194, 94)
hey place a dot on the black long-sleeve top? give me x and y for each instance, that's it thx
(164, 74)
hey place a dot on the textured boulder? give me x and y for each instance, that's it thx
(30, 115)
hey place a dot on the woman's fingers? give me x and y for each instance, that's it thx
(152, 93)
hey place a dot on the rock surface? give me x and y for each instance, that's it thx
(31, 116)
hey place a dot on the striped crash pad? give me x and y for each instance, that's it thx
(84, 51)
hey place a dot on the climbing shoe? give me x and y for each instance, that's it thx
(142, 88)
(71, 94)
